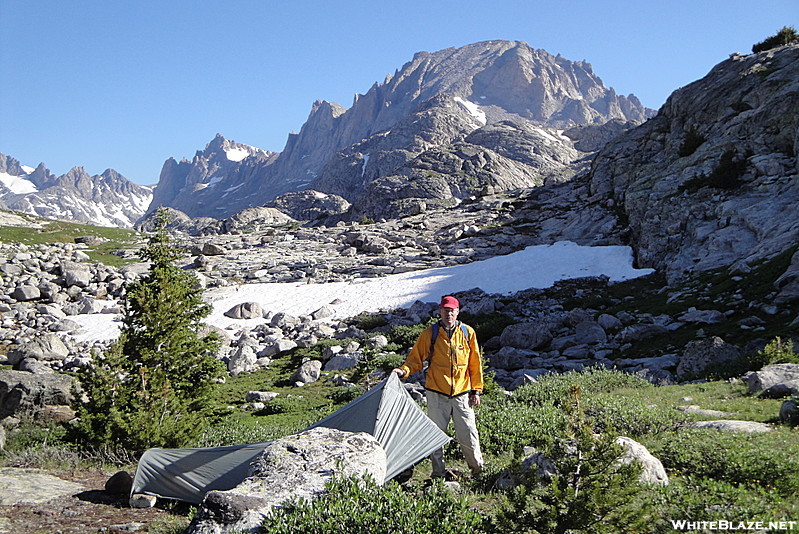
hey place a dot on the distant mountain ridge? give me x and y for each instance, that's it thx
(433, 100)
(108, 199)
(223, 171)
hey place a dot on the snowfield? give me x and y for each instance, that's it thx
(534, 267)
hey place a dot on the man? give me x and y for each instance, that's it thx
(453, 383)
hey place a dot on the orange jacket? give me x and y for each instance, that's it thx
(456, 366)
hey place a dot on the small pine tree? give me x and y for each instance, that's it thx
(591, 492)
(154, 386)
(692, 141)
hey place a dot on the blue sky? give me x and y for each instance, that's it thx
(126, 85)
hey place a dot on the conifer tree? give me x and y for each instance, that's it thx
(591, 492)
(154, 386)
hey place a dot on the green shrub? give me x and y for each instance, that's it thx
(631, 417)
(591, 492)
(28, 435)
(345, 394)
(370, 321)
(692, 497)
(387, 361)
(554, 388)
(757, 461)
(785, 36)
(353, 506)
(283, 405)
(777, 351)
(726, 175)
(507, 426)
(406, 335)
(692, 141)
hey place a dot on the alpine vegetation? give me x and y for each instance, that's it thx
(155, 385)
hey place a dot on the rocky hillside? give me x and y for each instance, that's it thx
(405, 140)
(108, 199)
(712, 179)
(702, 192)
(709, 182)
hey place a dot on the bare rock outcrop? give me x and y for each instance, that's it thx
(295, 467)
(24, 393)
(711, 179)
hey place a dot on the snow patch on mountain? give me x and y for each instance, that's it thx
(108, 199)
(236, 154)
(363, 167)
(534, 267)
(19, 185)
(473, 109)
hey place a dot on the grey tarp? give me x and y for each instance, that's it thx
(386, 411)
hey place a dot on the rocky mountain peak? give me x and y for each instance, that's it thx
(210, 178)
(430, 101)
(10, 166)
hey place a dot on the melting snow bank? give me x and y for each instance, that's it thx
(534, 267)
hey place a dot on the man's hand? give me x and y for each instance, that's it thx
(399, 372)
(474, 399)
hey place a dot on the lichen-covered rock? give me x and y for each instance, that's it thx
(297, 466)
(700, 355)
(660, 173)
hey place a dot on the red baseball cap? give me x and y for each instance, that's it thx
(449, 302)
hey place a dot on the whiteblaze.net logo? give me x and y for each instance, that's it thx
(722, 524)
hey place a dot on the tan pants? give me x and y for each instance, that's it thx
(440, 409)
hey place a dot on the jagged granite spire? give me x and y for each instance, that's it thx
(433, 99)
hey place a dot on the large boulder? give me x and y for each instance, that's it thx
(528, 335)
(245, 310)
(732, 425)
(25, 293)
(589, 332)
(243, 360)
(75, 274)
(23, 393)
(776, 380)
(652, 470)
(47, 347)
(253, 219)
(789, 412)
(310, 205)
(309, 372)
(701, 355)
(297, 466)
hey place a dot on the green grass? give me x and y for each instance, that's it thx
(721, 395)
(45, 231)
(758, 474)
